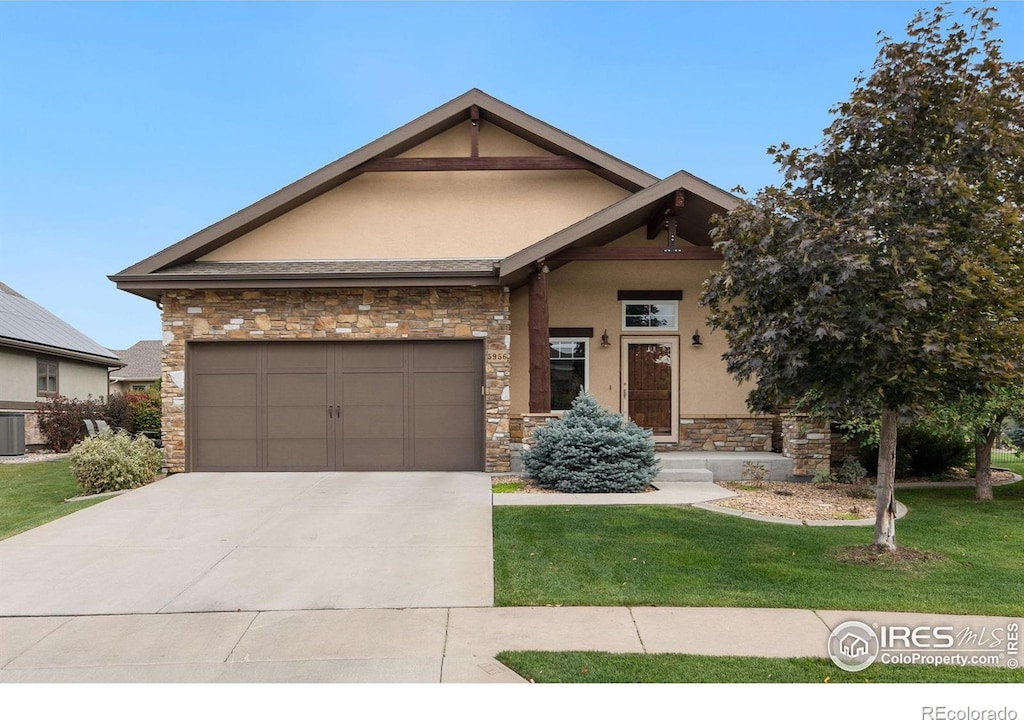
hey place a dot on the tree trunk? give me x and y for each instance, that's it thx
(983, 462)
(885, 505)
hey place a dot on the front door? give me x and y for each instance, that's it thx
(650, 384)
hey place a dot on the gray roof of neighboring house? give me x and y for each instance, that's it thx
(25, 324)
(143, 361)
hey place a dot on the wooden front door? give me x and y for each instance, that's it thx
(650, 384)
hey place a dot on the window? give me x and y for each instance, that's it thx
(570, 370)
(46, 378)
(643, 315)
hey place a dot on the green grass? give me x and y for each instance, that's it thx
(33, 493)
(506, 487)
(1016, 466)
(597, 667)
(679, 556)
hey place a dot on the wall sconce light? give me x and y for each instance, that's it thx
(696, 338)
(605, 342)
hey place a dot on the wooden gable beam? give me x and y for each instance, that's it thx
(474, 131)
(604, 252)
(441, 164)
(666, 213)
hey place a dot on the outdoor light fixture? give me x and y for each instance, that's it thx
(696, 338)
(605, 342)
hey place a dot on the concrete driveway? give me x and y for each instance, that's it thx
(201, 542)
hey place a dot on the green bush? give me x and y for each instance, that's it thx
(147, 418)
(922, 451)
(851, 472)
(114, 461)
(591, 450)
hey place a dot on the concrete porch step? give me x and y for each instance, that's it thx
(685, 475)
(724, 465)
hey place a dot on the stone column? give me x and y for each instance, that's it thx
(808, 442)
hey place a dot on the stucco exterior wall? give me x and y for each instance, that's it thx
(342, 315)
(17, 377)
(585, 294)
(75, 379)
(487, 214)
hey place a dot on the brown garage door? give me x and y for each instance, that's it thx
(336, 406)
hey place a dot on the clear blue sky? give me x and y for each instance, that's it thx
(125, 127)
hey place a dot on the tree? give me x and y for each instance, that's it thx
(981, 418)
(885, 272)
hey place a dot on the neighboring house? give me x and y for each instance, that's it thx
(425, 301)
(41, 356)
(141, 370)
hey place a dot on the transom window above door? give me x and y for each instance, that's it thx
(639, 315)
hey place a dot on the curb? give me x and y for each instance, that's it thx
(958, 483)
(901, 511)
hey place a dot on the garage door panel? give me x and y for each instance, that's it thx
(447, 389)
(227, 454)
(298, 422)
(446, 421)
(379, 454)
(356, 355)
(224, 391)
(208, 357)
(447, 355)
(297, 389)
(220, 423)
(368, 422)
(373, 389)
(302, 356)
(445, 455)
(297, 453)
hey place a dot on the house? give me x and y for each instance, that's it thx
(41, 356)
(141, 370)
(427, 300)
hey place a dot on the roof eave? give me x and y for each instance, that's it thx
(109, 362)
(151, 286)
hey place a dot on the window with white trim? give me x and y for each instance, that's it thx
(642, 315)
(570, 370)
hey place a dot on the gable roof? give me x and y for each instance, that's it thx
(702, 201)
(394, 143)
(142, 361)
(29, 326)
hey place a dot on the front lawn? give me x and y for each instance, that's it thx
(680, 556)
(33, 493)
(597, 667)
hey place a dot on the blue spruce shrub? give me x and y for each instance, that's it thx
(591, 450)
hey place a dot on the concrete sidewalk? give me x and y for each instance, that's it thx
(448, 645)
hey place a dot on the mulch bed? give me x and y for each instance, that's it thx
(900, 558)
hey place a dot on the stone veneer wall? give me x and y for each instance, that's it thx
(338, 315)
(808, 442)
(750, 434)
(842, 448)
